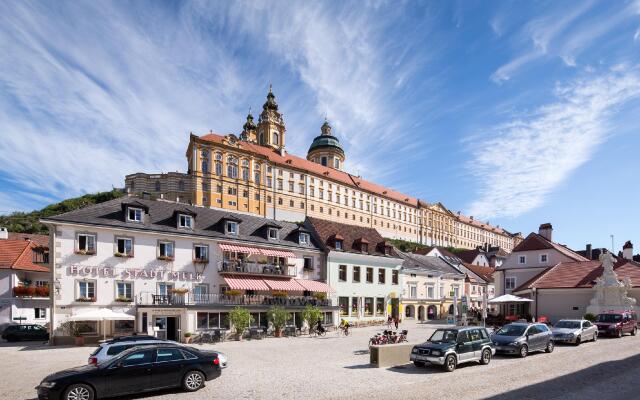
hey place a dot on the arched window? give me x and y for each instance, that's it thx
(245, 174)
(218, 156)
(232, 167)
(276, 138)
(257, 174)
(204, 155)
(218, 168)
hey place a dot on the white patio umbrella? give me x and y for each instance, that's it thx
(509, 298)
(101, 314)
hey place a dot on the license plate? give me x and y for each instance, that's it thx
(421, 358)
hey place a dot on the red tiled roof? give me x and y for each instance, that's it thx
(485, 273)
(351, 234)
(317, 169)
(582, 274)
(40, 240)
(535, 241)
(468, 255)
(18, 254)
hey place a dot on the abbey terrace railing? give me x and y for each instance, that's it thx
(191, 299)
(255, 268)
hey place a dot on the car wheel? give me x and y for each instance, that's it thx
(524, 351)
(450, 363)
(192, 381)
(78, 391)
(485, 358)
(578, 341)
(550, 347)
(418, 364)
(634, 331)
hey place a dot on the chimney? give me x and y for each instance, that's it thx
(546, 231)
(589, 252)
(4, 233)
(627, 250)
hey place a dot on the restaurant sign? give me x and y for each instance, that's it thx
(131, 273)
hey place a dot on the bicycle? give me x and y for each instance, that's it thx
(343, 330)
(313, 331)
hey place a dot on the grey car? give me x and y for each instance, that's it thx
(523, 338)
(574, 331)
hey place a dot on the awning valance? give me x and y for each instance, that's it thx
(314, 286)
(289, 285)
(239, 249)
(255, 250)
(246, 283)
(277, 253)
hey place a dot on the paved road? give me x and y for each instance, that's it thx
(337, 368)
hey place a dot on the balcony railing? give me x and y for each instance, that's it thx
(31, 291)
(191, 299)
(255, 268)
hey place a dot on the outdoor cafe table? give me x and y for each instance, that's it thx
(256, 331)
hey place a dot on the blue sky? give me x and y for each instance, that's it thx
(515, 112)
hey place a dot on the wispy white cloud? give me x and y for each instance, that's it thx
(528, 157)
(636, 36)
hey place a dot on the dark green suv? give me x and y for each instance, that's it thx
(450, 347)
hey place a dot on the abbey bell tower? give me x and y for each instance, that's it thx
(271, 129)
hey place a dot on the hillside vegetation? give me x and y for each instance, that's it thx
(22, 222)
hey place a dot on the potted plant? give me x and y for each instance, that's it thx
(278, 317)
(262, 262)
(320, 295)
(187, 337)
(279, 293)
(73, 329)
(312, 315)
(233, 292)
(240, 318)
(182, 290)
(42, 291)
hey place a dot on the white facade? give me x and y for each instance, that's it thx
(24, 309)
(139, 285)
(360, 299)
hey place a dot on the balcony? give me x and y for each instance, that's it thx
(190, 299)
(31, 291)
(255, 268)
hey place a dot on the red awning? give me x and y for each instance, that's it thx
(289, 285)
(277, 253)
(246, 283)
(239, 249)
(314, 286)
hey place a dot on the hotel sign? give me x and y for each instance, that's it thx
(132, 273)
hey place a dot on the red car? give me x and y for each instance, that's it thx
(617, 323)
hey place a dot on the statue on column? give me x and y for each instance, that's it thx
(611, 294)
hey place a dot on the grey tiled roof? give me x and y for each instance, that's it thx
(426, 263)
(161, 218)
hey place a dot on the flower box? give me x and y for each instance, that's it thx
(86, 299)
(24, 291)
(165, 258)
(233, 292)
(200, 260)
(122, 299)
(85, 252)
(116, 254)
(179, 291)
(279, 293)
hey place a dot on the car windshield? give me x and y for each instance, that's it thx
(609, 318)
(512, 330)
(568, 324)
(444, 335)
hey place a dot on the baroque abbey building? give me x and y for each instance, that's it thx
(253, 173)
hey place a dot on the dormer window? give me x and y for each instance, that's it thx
(364, 247)
(134, 214)
(185, 221)
(338, 244)
(231, 228)
(272, 234)
(303, 238)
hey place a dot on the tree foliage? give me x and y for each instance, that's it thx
(312, 314)
(240, 319)
(278, 316)
(21, 222)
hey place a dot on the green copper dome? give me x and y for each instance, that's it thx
(326, 142)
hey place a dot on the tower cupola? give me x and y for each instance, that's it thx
(249, 130)
(271, 129)
(326, 148)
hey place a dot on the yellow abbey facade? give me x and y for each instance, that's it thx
(253, 173)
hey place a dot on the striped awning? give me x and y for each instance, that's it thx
(246, 283)
(289, 285)
(239, 249)
(314, 286)
(277, 253)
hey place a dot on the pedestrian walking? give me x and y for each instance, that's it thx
(396, 321)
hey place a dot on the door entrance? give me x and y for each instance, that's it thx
(167, 328)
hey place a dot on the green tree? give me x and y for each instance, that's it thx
(240, 318)
(312, 314)
(278, 316)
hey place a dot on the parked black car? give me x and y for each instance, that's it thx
(14, 333)
(450, 347)
(523, 338)
(136, 370)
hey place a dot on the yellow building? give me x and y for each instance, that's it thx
(253, 173)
